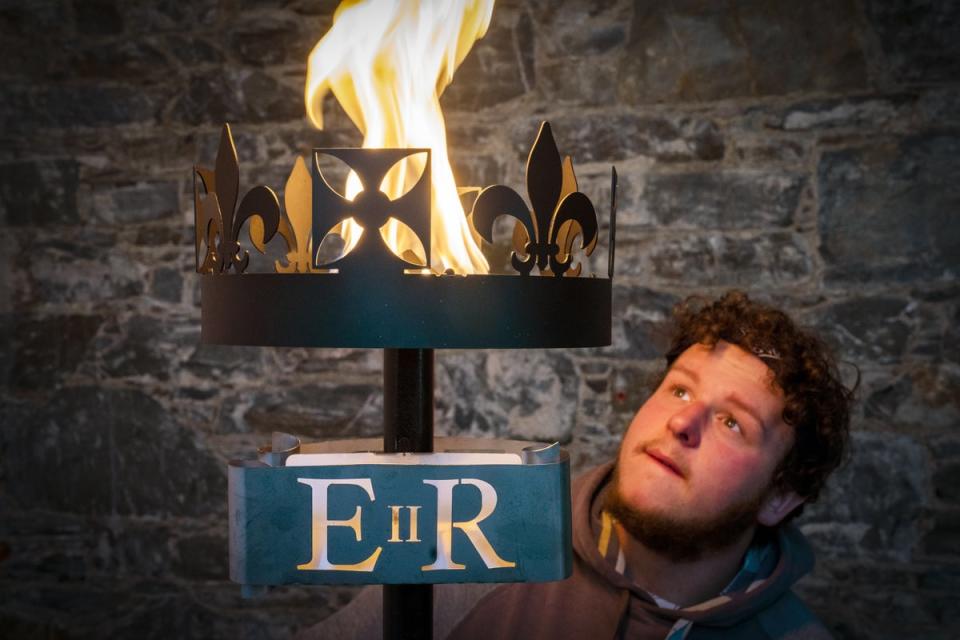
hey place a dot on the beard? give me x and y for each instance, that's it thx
(683, 539)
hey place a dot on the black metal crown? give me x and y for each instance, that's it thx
(544, 235)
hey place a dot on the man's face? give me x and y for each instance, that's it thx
(707, 440)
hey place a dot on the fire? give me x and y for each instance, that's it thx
(387, 62)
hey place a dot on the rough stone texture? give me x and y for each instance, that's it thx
(212, 98)
(50, 348)
(501, 65)
(639, 315)
(36, 193)
(714, 259)
(167, 285)
(804, 151)
(71, 105)
(694, 51)
(722, 200)
(919, 38)
(886, 209)
(861, 112)
(873, 505)
(316, 412)
(508, 394)
(867, 329)
(921, 397)
(102, 451)
(613, 136)
(142, 202)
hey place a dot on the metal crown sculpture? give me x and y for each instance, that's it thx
(474, 314)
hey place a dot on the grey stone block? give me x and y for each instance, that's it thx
(480, 170)
(528, 395)
(723, 199)
(640, 316)
(264, 39)
(77, 105)
(164, 16)
(873, 504)
(192, 52)
(861, 113)
(921, 40)
(364, 363)
(941, 539)
(99, 18)
(48, 349)
(887, 209)
(202, 556)
(946, 482)
(132, 548)
(718, 260)
(688, 51)
(140, 202)
(107, 451)
(141, 345)
(319, 411)
(129, 59)
(500, 67)
(611, 137)
(237, 95)
(941, 579)
(89, 267)
(577, 80)
(8, 322)
(167, 284)
(927, 398)
(40, 192)
(580, 29)
(765, 152)
(867, 329)
(939, 105)
(631, 385)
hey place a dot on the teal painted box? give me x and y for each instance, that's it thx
(343, 513)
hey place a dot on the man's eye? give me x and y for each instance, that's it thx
(732, 424)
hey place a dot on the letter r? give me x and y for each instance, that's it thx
(445, 524)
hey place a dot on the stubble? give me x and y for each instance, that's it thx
(683, 539)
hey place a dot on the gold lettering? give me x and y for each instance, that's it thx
(320, 523)
(412, 537)
(488, 502)
(445, 525)
(395, 523)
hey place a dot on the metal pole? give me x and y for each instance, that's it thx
(407, 427)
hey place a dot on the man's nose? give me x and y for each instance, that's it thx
(687, 423)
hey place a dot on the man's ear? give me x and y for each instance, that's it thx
(778, 506)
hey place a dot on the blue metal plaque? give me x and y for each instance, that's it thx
(341, 513)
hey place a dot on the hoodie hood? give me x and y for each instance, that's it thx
(790, 558)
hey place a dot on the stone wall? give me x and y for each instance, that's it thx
(807, 152)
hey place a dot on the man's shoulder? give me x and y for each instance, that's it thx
(789, 618)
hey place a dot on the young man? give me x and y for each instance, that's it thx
(686, 534)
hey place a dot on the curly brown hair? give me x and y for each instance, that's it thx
(816, 402)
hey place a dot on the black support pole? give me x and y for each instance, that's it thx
(407, 427)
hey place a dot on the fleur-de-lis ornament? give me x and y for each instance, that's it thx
(545, 234)
(296, 225)
(219, 219)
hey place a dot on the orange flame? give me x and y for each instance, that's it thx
(387, 62)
